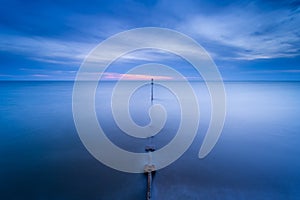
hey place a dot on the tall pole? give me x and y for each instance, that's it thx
(152, 89)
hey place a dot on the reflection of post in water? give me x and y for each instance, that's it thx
(149, 169)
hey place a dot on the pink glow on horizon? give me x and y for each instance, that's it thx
(131, 77)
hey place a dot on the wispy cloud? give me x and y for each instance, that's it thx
(251, 33)
(46, 50)
(113, 76)
(40, 75)
(140, 77)
(70, 53)
(233, 32)
(274, 71)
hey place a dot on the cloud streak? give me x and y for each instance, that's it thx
(250, 33)
(233, 32)
(46, 50)
(114, 76)
(130, 77)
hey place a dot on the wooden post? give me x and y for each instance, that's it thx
(149, 169)
(149, 185)
(152, 89)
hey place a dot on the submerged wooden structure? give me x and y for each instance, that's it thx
(149, 169)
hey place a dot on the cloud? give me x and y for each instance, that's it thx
(70, 53)
(140, 77)
(40, 75)
(233, 32)
(279, 71)
(249, 32)
(46, 50)
(113, 76)
(246, 33)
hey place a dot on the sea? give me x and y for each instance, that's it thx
(256, 157)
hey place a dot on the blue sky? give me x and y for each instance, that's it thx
(248, 40)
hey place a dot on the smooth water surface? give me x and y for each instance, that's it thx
(256, 157)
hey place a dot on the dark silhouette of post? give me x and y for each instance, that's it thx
(152, 89)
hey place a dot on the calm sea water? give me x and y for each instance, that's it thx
(257, 156)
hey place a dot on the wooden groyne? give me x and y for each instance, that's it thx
(149, 170)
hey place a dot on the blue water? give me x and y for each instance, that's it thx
(257, 156)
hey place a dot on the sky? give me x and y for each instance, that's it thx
(248, 40)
